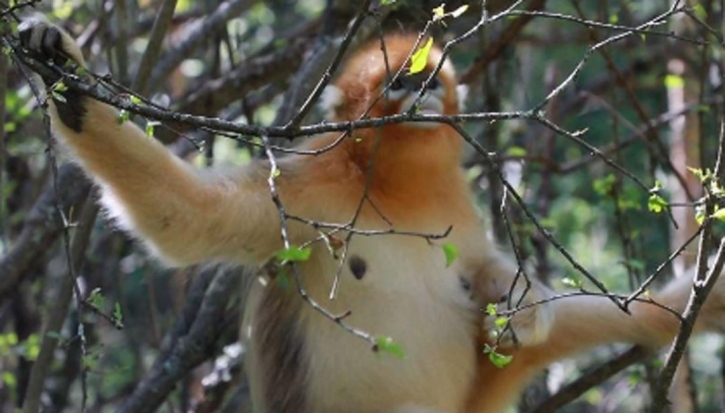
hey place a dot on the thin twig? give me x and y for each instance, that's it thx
(332, 68)
(590, 51)
(338, 319)
(610, 26)
(489, 158)
(594, 378)
(73, 257)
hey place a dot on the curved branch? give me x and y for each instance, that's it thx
(496, 48)
(599, 375)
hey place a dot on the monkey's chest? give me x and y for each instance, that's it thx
(406, 298)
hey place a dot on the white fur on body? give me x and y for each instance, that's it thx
(407, 292)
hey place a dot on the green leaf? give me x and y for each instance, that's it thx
(96, 299)
(293, 254)
(715, 188)
(572, 282)
(699, 174)
(604, 186)
(501, 322)
(674, 81)
(123, 116)
(117, 314)
(491, 309)
(700, 11)
(656, 204)
(516, 151)
(57, 96)
(135, 100)
(9, 379)
(59, 87)
(388, 345)
(497, 359)
(451, 252)
(420, 58)
(31, 347)
(90, 362)
(700, 214)
(62, 9)
(719, 214)
(150, 129)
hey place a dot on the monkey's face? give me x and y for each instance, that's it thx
(405, 91)
(364, 88)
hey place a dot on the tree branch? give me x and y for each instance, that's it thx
(188, 350)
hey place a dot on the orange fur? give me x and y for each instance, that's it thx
(300, 361)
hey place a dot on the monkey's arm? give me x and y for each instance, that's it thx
(584, 322)
(581, 323)
(184, 215)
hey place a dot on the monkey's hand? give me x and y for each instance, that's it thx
(521, 319)
(47, 42)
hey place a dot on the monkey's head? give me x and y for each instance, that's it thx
(361, 87)
(367, 87)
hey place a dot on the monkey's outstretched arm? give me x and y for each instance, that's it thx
(581, 323)
(184, 215)
(588, 321)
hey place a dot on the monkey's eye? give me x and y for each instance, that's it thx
(397, 85)
(434, 84)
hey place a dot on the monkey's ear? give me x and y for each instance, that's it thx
(462, 94)
(331, 101)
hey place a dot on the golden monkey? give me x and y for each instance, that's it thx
(407, 177)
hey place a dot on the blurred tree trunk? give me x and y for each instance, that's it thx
(4, 241)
